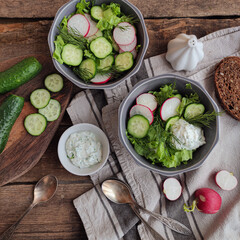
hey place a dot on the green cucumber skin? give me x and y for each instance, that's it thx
(19, 74)
(9, 112)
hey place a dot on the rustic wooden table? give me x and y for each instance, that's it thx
(24, 27)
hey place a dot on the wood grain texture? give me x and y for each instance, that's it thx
(23, 151)
(24, 31)
(56, 219)
(23, 38)
(149, 9)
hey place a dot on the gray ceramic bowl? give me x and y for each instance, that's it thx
(128, 9)
(211, 134)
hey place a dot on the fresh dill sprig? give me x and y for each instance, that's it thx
(114, 71)
(204, 119)
(123, 28)
(130, 18)
(73, 37)
(83, 73)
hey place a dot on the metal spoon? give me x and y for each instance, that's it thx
(43, 191)
(119, 192)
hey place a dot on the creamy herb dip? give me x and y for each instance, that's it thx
(83, 149)
(188, 136)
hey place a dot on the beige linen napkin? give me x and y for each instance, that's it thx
(104, 220)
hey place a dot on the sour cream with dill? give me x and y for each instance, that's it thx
(187, 136)
(83, 149)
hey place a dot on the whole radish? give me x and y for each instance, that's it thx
(206, 200)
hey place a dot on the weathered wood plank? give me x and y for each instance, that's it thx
(24, 38)
(149, 9)
(56, 219)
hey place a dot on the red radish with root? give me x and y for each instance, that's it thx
(207, 201)
(169, 108)
(225, 180)
(148, 100)
(142, 110)
(172, 189)
(79, 23)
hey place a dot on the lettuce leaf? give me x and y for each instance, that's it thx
(192, 98)
(112, 16)
(115, 7)
(156, 146)
(167, 91)
(83, 7)
(64, 21)
(109, 20)
(59, 43)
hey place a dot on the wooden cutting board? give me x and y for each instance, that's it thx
(23, 151)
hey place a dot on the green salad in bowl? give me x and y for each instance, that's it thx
(166, 127)
(169, 124)
(97, 42)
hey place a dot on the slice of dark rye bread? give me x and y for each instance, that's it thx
(227, 85)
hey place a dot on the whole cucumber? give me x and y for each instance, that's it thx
(19, 74)
(9, 112)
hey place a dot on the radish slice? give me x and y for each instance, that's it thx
(100, 79)
(80, 23)
(142, 110)
(134, 53)
(172, 189)
(130, 47)
(93, 26)
(169, 108)
(148, 100)
(225, 180)
(124, 36)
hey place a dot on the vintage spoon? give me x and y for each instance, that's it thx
(43, 191)
(119, 192)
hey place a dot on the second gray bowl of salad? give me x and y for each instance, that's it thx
(162, 139)
(131, 36)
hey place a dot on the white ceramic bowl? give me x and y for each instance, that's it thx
(67, 164)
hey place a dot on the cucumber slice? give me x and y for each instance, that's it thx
(54, 82)
(171, 121)
(101, 47)
(193, 110)
(52, 111)
(88, 68)
(138, 126)
(96, 13)
(35, 124)
(124, 61)
(72, 55)
(40, 98)
(106, 63)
